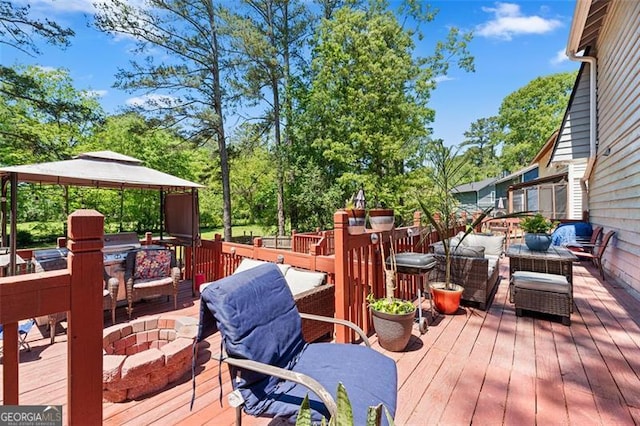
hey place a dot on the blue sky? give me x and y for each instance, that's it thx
(514, 42)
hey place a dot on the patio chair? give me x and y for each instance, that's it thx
(271, 366)
(23, 331)
(151, 272)
(587, 246)
(598, 251)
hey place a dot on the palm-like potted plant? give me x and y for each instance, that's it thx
(537, 231)
(392, 317)
(447, 173)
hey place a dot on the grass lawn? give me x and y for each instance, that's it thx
(236, 231)
(39, 235)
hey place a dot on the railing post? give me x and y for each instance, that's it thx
(340, 222)
(10, 360)
(85, 318)
(217, 258)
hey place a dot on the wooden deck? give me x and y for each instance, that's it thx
(475, 367)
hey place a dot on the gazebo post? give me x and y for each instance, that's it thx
(3, 210)
(14, 224)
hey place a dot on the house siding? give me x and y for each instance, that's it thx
(614, 185)
(573, 141)
(574, 189)
(486, 197)
(468, 201)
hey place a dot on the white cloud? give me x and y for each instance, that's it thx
(443, 78)
(508, 21)
(62, 6)
(151, 101)
(97, 93)
(560, 57)
(46, 68)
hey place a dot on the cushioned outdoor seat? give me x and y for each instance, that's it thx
(541, 292)
(151, 272)
(257, 317)
(23, 331)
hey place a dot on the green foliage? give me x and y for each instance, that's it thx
(390, 305)
(481, 140)
(184, 86)
(17, 29)
(367, 105)
(537, 224)
(43, 117)
(530, 115)
(441, 210)
(130, 134)
(23, 238)
(344, 416)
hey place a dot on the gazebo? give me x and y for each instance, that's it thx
(101, 169)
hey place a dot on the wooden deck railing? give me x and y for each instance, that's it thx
(320, 243)
(354, 265)
(76, 290)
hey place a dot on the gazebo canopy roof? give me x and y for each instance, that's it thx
(101, 169)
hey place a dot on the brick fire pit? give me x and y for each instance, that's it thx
(145, 355)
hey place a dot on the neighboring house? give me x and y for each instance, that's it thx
(476, 196)
(599, 141)
(540, 187)
(504, 184)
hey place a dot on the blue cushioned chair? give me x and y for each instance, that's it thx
(23, 331)
(271, 365)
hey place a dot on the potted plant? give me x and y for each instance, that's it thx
(536, 229)
(392, 318)
(381, 219)
(357, 217)
(447, 173)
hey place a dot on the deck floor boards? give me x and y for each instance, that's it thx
(474, 367)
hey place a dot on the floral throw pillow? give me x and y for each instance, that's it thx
(152, 264)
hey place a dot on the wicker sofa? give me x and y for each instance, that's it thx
(475, 265)
(311, 293)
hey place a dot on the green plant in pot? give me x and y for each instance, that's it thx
(447, 172)
(537, 230)
(392, 317)
(356, 217)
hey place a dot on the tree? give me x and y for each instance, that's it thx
(266, 34)
(480, 141)
(530, 115)
(185, 89)
(48, 119)
(482, 135)
(367, 112)
(17, 29)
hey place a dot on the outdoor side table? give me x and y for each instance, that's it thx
(420, 264)
(556, 260)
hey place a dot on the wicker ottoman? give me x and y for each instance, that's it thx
(540, 292)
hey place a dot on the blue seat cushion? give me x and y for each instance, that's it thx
(369, 377)
(258, 320)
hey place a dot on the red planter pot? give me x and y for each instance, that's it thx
(446, 301)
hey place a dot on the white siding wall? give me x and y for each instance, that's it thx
(573, 141)
(574, 188)
(614, 195)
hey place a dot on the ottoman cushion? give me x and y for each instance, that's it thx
(541, 281)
